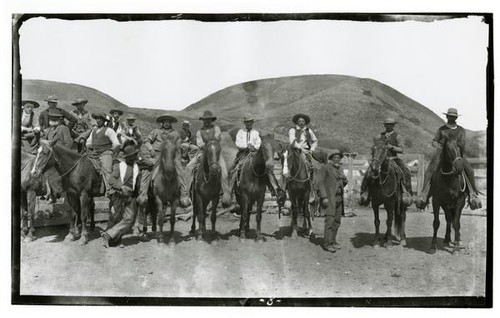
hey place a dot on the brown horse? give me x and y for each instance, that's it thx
(299, 188)
(80, 180)
(251, 186)
(166, 188)
(449, 191)
(386, 187)
(206, 187)
(31, 187)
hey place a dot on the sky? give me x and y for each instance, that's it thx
(172, 64)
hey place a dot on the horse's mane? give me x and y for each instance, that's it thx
(27, 160)
(66, 154)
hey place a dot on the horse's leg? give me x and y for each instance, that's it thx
(73, 220)
(295, 212)
(258, 218)
(243, 219)
(307, 217)
(31, 197)
(173, 207)
(402, 242)
(449, 220)
(390, 216)
(92, 212)
(153, 215)
(84, 212)
(213, 217)
(193, 225)
(24, 214)
(376, 221)
(201, 213)
(457, 209)
(435, 208)
(160, 215)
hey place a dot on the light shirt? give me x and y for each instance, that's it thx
(302, 144)
(110, 133)
(199, 140)
(245, 137)
(25, 118)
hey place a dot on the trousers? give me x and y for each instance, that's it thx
(333, 221)
(129, 214)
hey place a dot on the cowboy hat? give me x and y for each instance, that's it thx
(208, 115)
(248, 117)
(54, 113)
(30, 102)
(114, 110)
(166, 117)
(131, 117)
(335, 152)
(79, 101)
(129, 150)
(295, 118)
(452, 112)
(99, 115)
(52, 98)
(389, 120)
(186, 122)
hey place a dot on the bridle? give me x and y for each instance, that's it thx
(294, 178)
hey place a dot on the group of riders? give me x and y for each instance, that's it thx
(118, 147)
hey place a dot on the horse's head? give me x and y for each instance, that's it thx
(451, 155)
(44, 158)
(211, 158)
(267, 151)
(379, 154)
(168, 153)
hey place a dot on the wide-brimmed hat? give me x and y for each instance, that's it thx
(129, 150)
(208, 115)
(52, 98)
(30, 102)
(248, 117)
(296, 117)
(452, 112)
(186, 122)
(54, 113)
(335, 152)
(99, 115)
(114, 110)
(166, 117)
(79, 101)
(389, 120)
(131, 117)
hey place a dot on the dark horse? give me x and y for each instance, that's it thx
(206, 187)
(166, 188)
(449, 191)
(251, 186)
(299, 187)
(80, 180)
(386, 187)
(32, 186)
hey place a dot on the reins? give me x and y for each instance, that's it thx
(294, 178)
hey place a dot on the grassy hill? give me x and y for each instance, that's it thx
(346, 111)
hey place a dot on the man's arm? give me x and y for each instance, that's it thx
(291, 139)
(313, 139)
(256, 141)
(399, 147)
(114, 178)
(240, 141)
(150, 139)
(217, 133)
(115, 144)
(199, 141)
(72, 120)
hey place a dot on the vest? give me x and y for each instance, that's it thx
(123, 171)
(308, 136)
(100, 142)
(391, 140)
(207, 134)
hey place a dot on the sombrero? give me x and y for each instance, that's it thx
(114, 110)
(129, 151)
(131, 117)
(208, 115)
(166, 117)
(30, 102)
(297, 116)
(390, 120)
(52, 98)
(79, 101)
(452, 112)
(99, 115)
(335, 152)
(248, 117)
(54, 113)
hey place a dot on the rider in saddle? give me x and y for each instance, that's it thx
(82, 115)
(394, 143)
(43, 119)
(248, 143)
(57, 132)
(303, 138)
(30, 134)
(116, 124)
(131, 131)
(208, 132)
(448, 131)
(153, 144)
(102, 143)
(188, 142)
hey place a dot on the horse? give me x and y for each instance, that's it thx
(31, 187)
(206, 187)
(299, 187)
(449, 191)
(80, 180)
(386, 187)
(251, 186)
(166, 188)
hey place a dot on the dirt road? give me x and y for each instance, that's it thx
(278, 267)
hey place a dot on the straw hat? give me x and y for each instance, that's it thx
(295, 118)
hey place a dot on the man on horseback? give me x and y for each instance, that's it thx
(116, 124)
(131, 131)
(56, 131)
(124, 182)
(43, 120)
(103, 144)
(188, 142)
(451, 130)
(394, 143)
(208, 132)
(82, 115)
(303, 138)
(153, 144)
(248, 143)
(30, 134)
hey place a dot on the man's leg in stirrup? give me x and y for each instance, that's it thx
(184, 202)
(226, 193)
(364, 198)
(106, 160)
(474, 201)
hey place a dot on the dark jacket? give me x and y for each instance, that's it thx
(43, 120)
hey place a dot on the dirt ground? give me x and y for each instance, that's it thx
(278, 267)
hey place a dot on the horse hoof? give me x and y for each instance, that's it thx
(433, 250)
(403, 243)
(83, 241)
(199, 238)
(446, 243)
(388, 246)
(29, 239)
(69, 238)
(376, 245)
